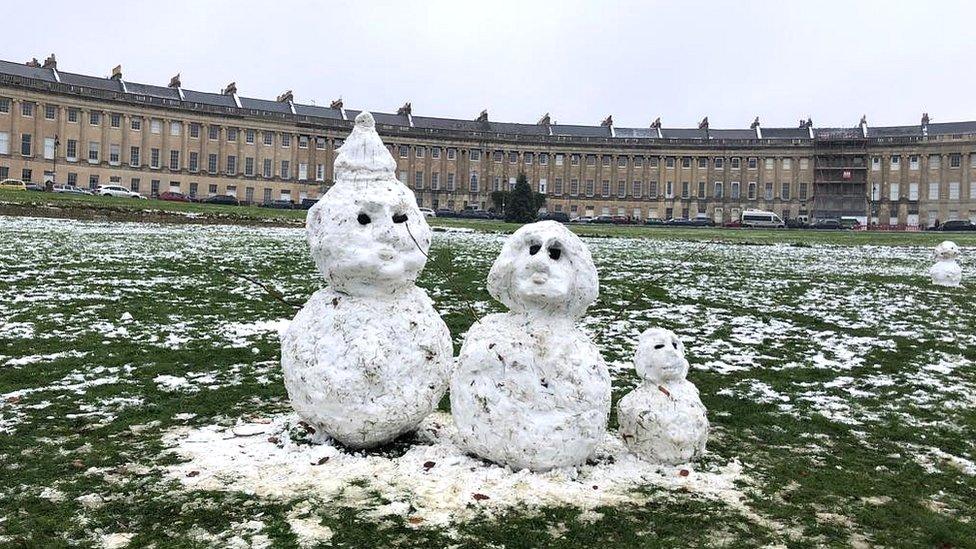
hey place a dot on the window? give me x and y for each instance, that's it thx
(418, 180)
(560, 158)
(770, 163)
(156, 126)
(72, 179)
(404, 151)
(267, 195)
(735, 163)
(528, 157)
(913, 191)
(719, 163)
(135, 124)
(719, 189)
(73, 115)
(474, 182)
(768, 194)
(804, 163)
(26, 175)
(933, 191)
(286, 140)
(574, 187)
(4, 106)
(955, 160)
(787, 163)
(669, 189)
(268, 138)
(591, 160)
(803, 191)
(212, 163)
(302, 141)
(194, 132)
(637, 189)
(621, 189)
(557, 186)
(511, 183)
(49, 112)
(213, 132)
(26, 109)
(435, 181)
(895, 162)
(685, 162)
(669, 162)
(4, 143)
(752, 162)
(605, 187)
(153, 158)
(544, 159)
(701, 189)
(285, 169)
(475, 155)
(320, 143)
(589, 187)
(513, 157)
(784, 191)
(93, 149)
(134, 185)
(266, 168)
(574, 160)
(174, 128)
(194, 162)
(736, 190)
(302, 171)
(652, 190)
(95, 118)
(231, 134)
(249, 137)
(685, 189)
(876, 164)
(913, 162)
(92, 181)
(231, 164)
(71, 151)
(114, 154)
(419, 152)
(605, 161)
(25, 144)
(48, 148)
(174, 160)
(893, 192)
(212, 189)
(320, 172)
(934, 161)
(435, 153)
(451, 153)
(248, 166)
(450, 182)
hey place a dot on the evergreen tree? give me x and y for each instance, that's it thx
(523, 204)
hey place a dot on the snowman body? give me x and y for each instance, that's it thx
(946, 271)
(531, 390)
(368, 357)
(663, 420)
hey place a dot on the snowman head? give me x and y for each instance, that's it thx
(660, 357)
(367, 235)
(544, 268)
(947, 250)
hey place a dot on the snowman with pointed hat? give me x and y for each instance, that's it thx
(368, 357)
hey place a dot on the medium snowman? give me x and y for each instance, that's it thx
(531, 390)
(663, 420)
(946, 271)
(368, 357)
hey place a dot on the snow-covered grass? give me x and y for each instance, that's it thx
(141, 400)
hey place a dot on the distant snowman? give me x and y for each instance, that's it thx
(531, 390)
(663, 420)
(368, 357)
(946, 271)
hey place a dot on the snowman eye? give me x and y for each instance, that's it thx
(534, 249)
(399, 218)
(363, 219)
(554, 253)
(675, 343)
(659, 346)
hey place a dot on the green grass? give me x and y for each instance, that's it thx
(859, 428)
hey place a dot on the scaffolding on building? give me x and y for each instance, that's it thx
(840, 174)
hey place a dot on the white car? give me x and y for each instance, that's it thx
(428, 212)
(117, 191)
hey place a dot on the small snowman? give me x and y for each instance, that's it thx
(946, 271)
(531, 390)
(663, 420)
(368, 357)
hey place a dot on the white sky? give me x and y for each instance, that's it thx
(580, 61)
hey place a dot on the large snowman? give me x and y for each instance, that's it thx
(663, 420)
(531, 391)
(368, 357)
(946, 271)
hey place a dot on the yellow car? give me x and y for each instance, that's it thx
(13, 185)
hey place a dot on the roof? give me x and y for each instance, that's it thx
(14, 72)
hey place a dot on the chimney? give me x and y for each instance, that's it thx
(231, 89)
(117, 72)
(544, 121)
(703, 125)
(755, 124)
(337, 104)
(175, 81)
(405, 110)
(51, 62)
(607, 122)
(656, 125)
(286, 97)
(483, 117)
(33, 63)
(864, 125)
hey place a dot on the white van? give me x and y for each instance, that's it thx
(761, 218)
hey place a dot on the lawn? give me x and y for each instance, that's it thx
(141, 400)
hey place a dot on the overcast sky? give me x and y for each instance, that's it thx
(580, 61)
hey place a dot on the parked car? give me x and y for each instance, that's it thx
(307, 203)
(34, 187)
(762, 218)
(655, 222)
(830, 223)
(794, 223)
(734, 224)
(13, 185)
(280, 204)
(561, 217)
(173, 196)
(620, 220)
(679, 222)
(604, 219)
(116, 191)
(957, 225)
(70, 189)
(444, 212)
(428, 212)
(474, 214)
(582, 219)
(702, 221)
(221, 199)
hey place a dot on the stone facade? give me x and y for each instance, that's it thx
(155, 139)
